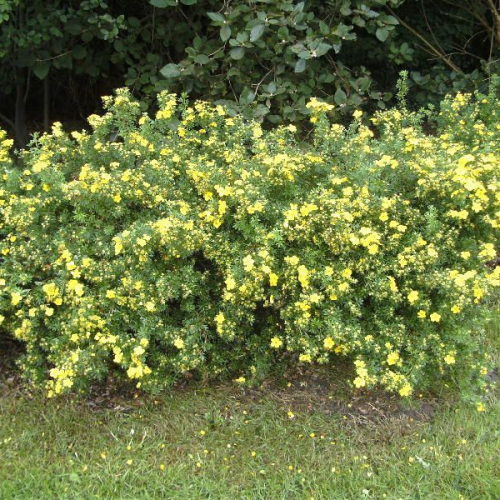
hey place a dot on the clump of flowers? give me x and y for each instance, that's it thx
(196, 241)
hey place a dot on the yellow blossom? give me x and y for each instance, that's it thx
(406, 390)
(328, 343)
(449, 359)
(248, 263)
(435, 317)
(413, 297)
(276, 342)
(179, 343)
(393, 358)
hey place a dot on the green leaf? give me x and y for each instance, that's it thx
(170, 71)
(391, 20)
(79, 52)
(73, 27)
(161, 4)
(41, 69)
(247, 96)
(382, 34)
(237, 53)
(322, 49)
(340, 97)
(189, 2)
(202, 59)
(215, 16)
(300, 66)
(260, 110)
(133, 22)
(225, 33)
(345, 10)
(257, 32)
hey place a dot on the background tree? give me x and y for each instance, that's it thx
(265, 58)
(38, 38)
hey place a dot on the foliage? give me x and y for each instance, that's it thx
(269, 58)
(265, 59)
(37, 37)
(42, 35)
(450, 46)
(198, 242)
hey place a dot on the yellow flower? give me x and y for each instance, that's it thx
(480, 407)
(421, 314)
(273, 279)
(15, 298)
(276, 342)
(393, 358)
(222, 207)
(347, 273)
(118, 246)
(240, 380)
(435, 317)
(413, 297)
(455, 309)
(179, 343)
(303, 276)
(328, 343)
(359, 382)
(392, 284)
(248, 263)
(406, 390)
(75, 286)
(449, 359)
(230, 283)
(150, 306)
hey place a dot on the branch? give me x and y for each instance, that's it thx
(9, 122)
(496, 19)
(432, 48)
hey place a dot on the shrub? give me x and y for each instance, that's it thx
(198, 242)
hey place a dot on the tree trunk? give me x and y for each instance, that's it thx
(46, 103)
(21, 130)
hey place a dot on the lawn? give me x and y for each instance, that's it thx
(306, 437)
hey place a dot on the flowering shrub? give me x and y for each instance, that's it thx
(195, 241)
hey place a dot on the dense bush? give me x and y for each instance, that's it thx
(198, 242)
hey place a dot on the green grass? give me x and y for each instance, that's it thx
(228, 442)
(53, 450)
